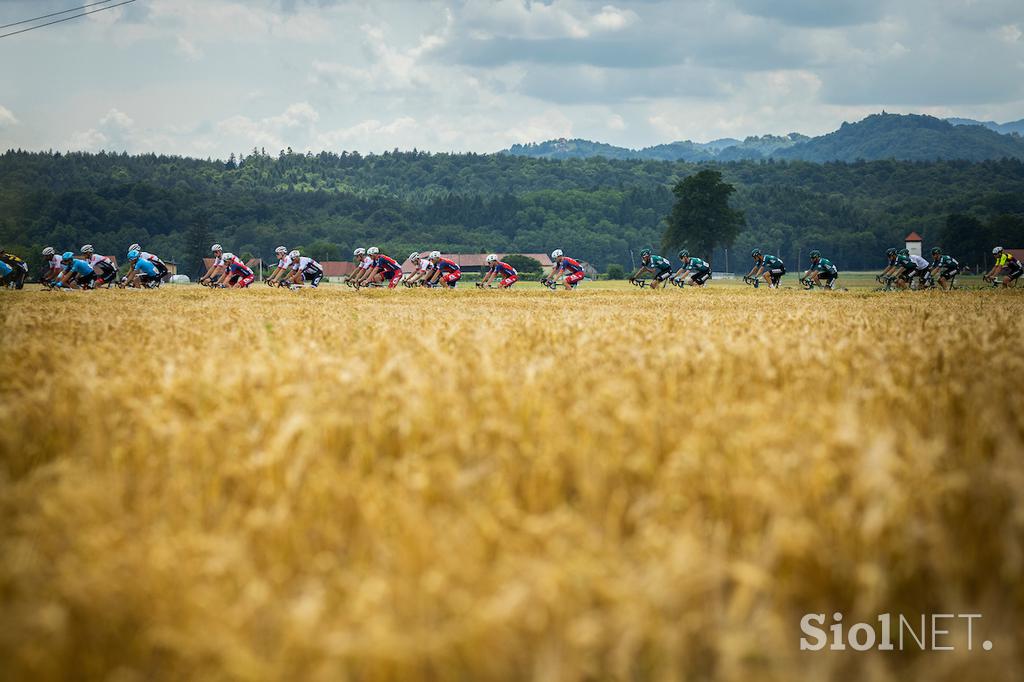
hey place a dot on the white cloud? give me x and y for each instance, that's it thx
(290, 128)
(117, 119)
(210, 77)
(539, 20)
(188, 49)
(7, 118)
(115, 132)
(1010, 33)
(90, 140)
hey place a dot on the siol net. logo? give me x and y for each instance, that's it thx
(928, 632)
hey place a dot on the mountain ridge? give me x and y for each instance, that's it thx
(903, 137)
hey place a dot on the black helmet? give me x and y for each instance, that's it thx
(936, 251)
(815, 254)
(684, 254)
(890, 252)
(645, 252)
(756, 253)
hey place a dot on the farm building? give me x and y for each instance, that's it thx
(913, 243)
(337, 270)
(476, 262)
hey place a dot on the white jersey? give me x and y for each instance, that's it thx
(56, 261)
(426, 265)
(146, 255)
(920, 263)
(95, 260)
(367, 263)
(304, 264)
(285, 263)
(218, 262)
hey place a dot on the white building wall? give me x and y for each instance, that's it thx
(914, 248)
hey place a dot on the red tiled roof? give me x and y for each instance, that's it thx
(913, 237)
(337, 268)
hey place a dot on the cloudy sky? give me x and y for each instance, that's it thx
(211, 77)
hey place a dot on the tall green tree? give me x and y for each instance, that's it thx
(197, 247)
(701, 218)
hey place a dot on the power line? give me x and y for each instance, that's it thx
(53, 14)
(77, 16)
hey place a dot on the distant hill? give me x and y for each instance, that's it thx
(906, 138)
(726, 149)
(1001, 128)
(878, 137)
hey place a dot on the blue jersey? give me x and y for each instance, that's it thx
(504, 269)
(78, 266)
(146, 267)
(570, 264)
(5, 269)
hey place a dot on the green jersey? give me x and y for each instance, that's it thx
(697, 264)
(772, 263)
(658, 263)
(824, 265)
(946, 262)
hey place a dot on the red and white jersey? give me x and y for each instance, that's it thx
(235, 261)
(285, 263)
(96, 259)
(304, 264)
(146, 255)
(56, 262)
(426, 265)
(218, 261)
(366, 263)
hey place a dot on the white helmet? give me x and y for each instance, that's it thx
(294, 254)
(359, 252)
(135, 247)
(281, 251)
(996, 251)
(435, 254)
(228, 256)
(48, 251)
(557, 253)
(88, 249)
(492, 258)
(216, 247)
(372, 251)
(415, 255)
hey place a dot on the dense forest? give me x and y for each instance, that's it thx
(597, 209)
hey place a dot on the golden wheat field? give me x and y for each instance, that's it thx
(525, 485)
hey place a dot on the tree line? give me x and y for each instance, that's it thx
(598, 209)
